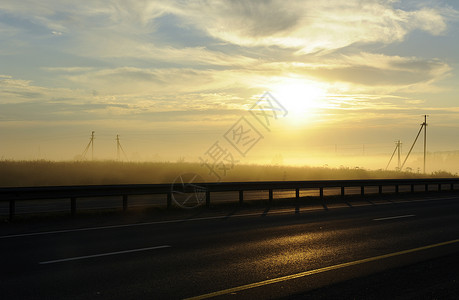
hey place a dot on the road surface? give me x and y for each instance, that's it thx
(344, 252)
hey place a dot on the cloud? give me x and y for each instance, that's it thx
(127, 32)
(119, 29)
(65, 15)
(24, 100)
(16, 91)
(309, 26)
(133, 81)
(110, 47)
(381, 70)
(68, 69)
(364, 72)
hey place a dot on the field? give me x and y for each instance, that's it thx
(49, 173)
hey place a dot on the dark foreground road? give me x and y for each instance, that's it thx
(397, 250)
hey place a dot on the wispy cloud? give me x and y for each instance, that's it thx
(68, 69)
(310, 26)
(381, 70)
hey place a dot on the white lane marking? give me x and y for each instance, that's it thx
(104, 227)
(102, 254)
(392, 218)
(149, 223)
(207, 218)
(316, 271)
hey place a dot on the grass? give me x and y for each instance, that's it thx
(51, 173)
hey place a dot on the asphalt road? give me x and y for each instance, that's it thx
(258, 253)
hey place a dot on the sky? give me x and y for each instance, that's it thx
(174, 78)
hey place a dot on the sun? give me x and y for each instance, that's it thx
(302, 98)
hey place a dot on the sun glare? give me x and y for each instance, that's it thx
(301, 98)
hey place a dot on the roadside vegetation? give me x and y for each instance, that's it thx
(51, 173)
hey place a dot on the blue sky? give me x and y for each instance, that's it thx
(172, 76)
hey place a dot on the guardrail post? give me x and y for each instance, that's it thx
(241, 197)
(73, 206)
(297, 194)
(396, 188)
(362, 191)
(321, 192)
(270, 195)
(412, 188)
(12, 208)
(427, 187)
(452, 186)
(439, 187)
(169, 200)
(342, 191)
(125, 202)
(380, 190)
(207, 198)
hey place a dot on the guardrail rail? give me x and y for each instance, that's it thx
(14, 194)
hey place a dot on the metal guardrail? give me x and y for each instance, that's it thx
(12, 195)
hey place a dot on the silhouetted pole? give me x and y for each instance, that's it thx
(92, 145)
(412, 146)
(397, 147)
(425, 141)
(392, 156)
(119, 148)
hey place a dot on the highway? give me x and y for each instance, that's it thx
(345, 251)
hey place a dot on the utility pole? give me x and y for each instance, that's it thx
(90, 144)
(425, 141)
(423, 125)
(398, 146)
(119, 148)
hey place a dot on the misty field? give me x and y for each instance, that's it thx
(49, 173)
